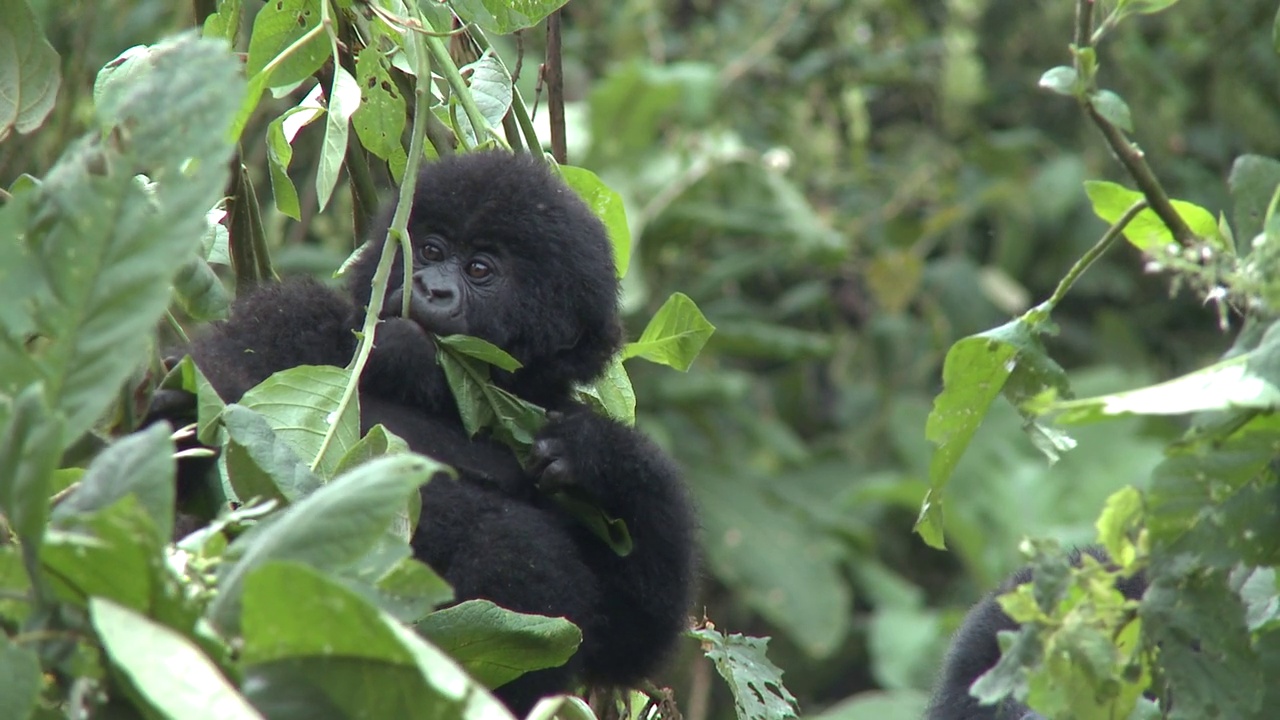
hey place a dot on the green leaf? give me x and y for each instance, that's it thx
(200, 292)
(411, 590)
(674, 336)
(756, 683)
(112, 553)
(29, 73)
(277, 623)
(279, 155)
(169, 671)
(1146, 231)
(300, 403)
(613, 531)
(376, 443)
(1061, 80)
(1145, 7)
(1253, 182)
(96, 267)
(481, 350)
(1249, 380)
(330, 529)
(30, 446)
(483, 405)
(608, 206)
(611, 394)
(503, 17)
(497, 645)
(141, 465)
(344, 99)
(262, 464)
(276, 27)
(1113, 109)
(380, 119)
(490, 87)
(225, 23)
(308, 637)
(973, 375)
(20, 680)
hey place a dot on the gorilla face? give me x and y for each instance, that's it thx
(452, 283)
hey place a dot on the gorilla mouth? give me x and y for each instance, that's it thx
(424, 315)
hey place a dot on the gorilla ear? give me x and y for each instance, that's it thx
(587, 358)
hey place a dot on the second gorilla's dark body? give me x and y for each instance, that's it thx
(504, 251)
(975, 649)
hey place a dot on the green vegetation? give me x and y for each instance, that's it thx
(985, 274)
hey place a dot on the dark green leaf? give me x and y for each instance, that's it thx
(30, 445)
(20, 680)
(28, 71)
(200, 292)
(262, 464)
(1254, 180)
(496, 645)
(277, 26)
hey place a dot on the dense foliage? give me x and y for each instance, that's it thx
(859, 196)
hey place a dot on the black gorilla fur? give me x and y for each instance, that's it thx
(505, 251)
(975, 650)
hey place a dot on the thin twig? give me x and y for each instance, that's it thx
(1113, 233)
(1126, 151)
(555, 89)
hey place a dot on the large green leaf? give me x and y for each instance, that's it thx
(299, 404)
(310, 638)
(504, 17)
(330, 529)
(169, 671)
(99, 247)
(141, 465)
(497, 645)
(29, 76)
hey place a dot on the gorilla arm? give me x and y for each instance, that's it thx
(275, 327)
(645, 596)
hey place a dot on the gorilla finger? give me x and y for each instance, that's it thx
(555, 476)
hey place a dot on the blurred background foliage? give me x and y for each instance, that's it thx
(845, 189)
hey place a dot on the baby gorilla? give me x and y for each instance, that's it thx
(502, 250)
(975, 650)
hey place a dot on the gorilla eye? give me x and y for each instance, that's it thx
(479, 269)
(431, 253)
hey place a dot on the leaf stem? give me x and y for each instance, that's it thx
(1129, 154)
(1089, 258)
